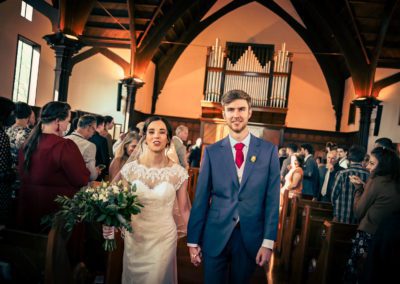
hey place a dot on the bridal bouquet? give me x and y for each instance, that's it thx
(107, 203)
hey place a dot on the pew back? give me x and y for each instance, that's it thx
(336, 247)
(308, 242)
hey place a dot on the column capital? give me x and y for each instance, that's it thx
(363, 102)
(60, 39)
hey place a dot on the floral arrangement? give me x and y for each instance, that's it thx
(111, 204)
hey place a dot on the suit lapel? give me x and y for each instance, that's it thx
(228, 160)
(249, 165)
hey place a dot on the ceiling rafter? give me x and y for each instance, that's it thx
(388, 13)
(132, 33)
(359, 38)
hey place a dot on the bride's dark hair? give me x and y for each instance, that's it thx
(157, 118)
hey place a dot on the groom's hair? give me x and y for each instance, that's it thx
(234, 95)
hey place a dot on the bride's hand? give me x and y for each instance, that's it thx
(195, 255)
(108, 232)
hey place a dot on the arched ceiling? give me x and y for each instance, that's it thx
(364, 34)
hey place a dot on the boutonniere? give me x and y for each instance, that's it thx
(253, 159)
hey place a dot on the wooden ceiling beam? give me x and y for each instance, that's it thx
(359, 38)
(105, 52)
(108, 19)
(107, 33)
(112, 5)
(107, 43)
(387, 16)
(133, 38)
(383, 83)
(74, 15)
(46, 10)
(152, 40)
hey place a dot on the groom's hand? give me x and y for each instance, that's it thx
(195, 255)
(263, 256)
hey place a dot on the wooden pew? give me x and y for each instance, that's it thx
(192, 182)
(24, 254)
(294, 226)
(308, 242)
(39, 258)
(58, 268)
(336, 247)
(283, 221)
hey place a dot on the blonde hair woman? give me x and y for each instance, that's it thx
(123, 152)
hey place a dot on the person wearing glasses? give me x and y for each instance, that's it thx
(85, 129)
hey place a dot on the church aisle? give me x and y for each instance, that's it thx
(188, 274)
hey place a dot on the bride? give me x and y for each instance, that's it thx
(150, 250)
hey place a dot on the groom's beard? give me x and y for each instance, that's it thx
(237, 130)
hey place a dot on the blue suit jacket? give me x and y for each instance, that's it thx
(220, 199)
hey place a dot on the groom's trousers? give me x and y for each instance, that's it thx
(233, 265)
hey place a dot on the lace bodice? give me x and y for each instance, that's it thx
(151, 177)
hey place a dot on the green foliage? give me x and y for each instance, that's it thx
(107, 203)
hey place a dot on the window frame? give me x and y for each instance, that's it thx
(37, 47)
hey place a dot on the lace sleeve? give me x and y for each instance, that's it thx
(126, 171)
(181, 176)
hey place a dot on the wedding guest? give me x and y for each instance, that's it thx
(102, 155)
(19, 132)
(375, 201)
(311, 172)
(122, 153)
(195, 154)
(7, 175)
(342, 156)
(32, 120)
(343, 189)
(384, 142)
(294, 178)
(86, 127)
(181, 136)
(108, 125)
(49, 165)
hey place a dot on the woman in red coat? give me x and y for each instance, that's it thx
(49, 165)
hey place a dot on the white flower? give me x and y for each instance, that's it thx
(115, 189)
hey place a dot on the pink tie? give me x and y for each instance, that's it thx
(239, 159)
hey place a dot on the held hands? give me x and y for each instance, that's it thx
(263, 256)
(195, 255)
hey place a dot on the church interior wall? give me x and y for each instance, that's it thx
(310, 105)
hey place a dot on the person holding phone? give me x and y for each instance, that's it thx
(375, 200)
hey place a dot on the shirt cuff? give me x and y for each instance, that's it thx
(267, 244)
(193, 245)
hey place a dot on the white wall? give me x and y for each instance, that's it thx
(349, 96)
(13, 24)
(390, 97)
(310, 104)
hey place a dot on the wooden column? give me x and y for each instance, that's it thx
(132, 85)
(366, 105)
(65, 47)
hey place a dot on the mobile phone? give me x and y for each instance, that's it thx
(101, 166)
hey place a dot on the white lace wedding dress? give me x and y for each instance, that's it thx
(150, 251)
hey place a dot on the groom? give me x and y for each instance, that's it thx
(234, 218)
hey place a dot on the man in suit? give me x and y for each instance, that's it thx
(102, 156)
(310, 173)
(234, 218)
(327, 176)
(182, 133)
